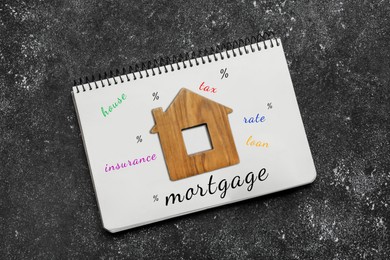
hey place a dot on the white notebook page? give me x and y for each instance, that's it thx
(266, 125)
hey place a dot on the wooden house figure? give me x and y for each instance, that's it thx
(187, 110)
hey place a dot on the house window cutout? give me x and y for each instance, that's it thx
(197, 139)
(188, 109)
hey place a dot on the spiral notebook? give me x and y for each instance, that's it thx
(183, 134)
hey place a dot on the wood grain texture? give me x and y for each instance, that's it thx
(187, 110)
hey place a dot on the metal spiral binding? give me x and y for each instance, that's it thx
(168, 64)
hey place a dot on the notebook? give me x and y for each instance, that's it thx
(178, 135)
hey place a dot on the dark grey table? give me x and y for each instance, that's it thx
(339, 57)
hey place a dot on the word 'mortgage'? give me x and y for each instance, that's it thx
(223, 186)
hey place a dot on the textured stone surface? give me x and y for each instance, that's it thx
(339, 58)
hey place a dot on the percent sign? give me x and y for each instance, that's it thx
(269, 105)
(139, 139)
(155, 96)
(155, 198)
(224, 73)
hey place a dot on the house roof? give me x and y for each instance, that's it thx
(185, 100)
